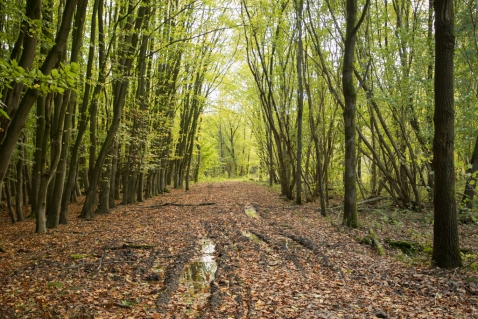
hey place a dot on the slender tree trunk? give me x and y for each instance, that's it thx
(120, 90)
(19, 185)
(103, 204)
(140, 187)
(47, 176)
(469, 193)
(75, 157)
(8, 198)
(112, 177)
(446, 247)
(350, 97)
(54, 204)
(300, 103)
(1, 192)
(27, 46)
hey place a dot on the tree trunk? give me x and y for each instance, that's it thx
(467, 200)
(27, 46)
(47, 175)
(19, 185)
(120, 89)
(20, 116)
(446, 247)
(8, 198)
(75, 157)
(350, 97)
(103, 205)
(300, 103)
(112, 177)
(54, 204)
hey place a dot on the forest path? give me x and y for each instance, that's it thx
(198, 254)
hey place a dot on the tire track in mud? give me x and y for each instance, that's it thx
(274, 228)
(173, 273)
(226, 282)
(281, 249)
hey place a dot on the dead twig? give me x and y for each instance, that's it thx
(182, 205)
(106, 262)
(132, 246)
(120, 305)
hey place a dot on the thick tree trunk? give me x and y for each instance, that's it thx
(446, 247)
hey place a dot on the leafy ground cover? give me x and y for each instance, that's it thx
(198, 254)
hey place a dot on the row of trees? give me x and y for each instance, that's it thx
(376, 66)
(99, 98)
(122, 112)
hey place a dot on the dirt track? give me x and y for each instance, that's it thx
(149, 260)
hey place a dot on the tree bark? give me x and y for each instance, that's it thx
(467, 200)
(300, 102)
(446, 248)
(19, 185)
(350, 97)
(8, 198)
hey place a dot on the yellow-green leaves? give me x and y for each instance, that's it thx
(59, 79)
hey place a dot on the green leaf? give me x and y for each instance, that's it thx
(54, 73)
(74, 66)
(3, 113)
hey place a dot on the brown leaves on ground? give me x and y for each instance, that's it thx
(128, 264)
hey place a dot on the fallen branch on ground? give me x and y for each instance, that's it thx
(132, 246)
(120, 305)
(104, 262)
(182, 205)
(368, 201)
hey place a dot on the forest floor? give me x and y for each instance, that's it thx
(229, 250)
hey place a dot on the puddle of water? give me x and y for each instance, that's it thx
(251, 212)
(196, 278)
